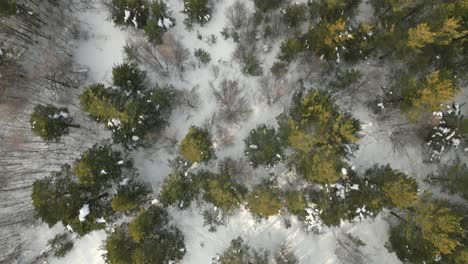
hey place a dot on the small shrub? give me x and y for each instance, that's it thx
(240, 252)
(279, 69)
(225, 33)
(61, 244)
(346, 79)
(213, 218)
(202, 55)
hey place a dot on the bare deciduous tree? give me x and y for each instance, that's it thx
(348, 249)
(9, 73)
(246, 55)
(140, 51)
(273, 90)
(237, 168)
(190, 98)
(237, 14)
(215, 69)
(162, 58)
(224, 136)
(174, 52)
(235, 106)
(278, 27)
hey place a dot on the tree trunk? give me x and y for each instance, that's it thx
(398, 216)
(98, 197)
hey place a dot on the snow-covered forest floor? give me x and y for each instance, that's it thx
(95, 45)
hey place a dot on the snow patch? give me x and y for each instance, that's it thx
(124, 182)
(84, 211)
(135, 22)
(127, 15)
(165, 23)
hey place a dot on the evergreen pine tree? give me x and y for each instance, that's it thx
(98, 165)
(197, 145)
(50, 122)
(263, 146)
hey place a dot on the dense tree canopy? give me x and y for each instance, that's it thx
(148, 223)
(263, 146)
(131, 110)
(433, 230)
(7, 7)
(318, 132)
(59, 198)
(129, 197)
(148, 239)
(151, 16)
(197, 145)
(99, 165)
(221, 190)
(265, 201)
(453, 178)
(178, 190)
(398, 189)
(333, 61)
(427, 95)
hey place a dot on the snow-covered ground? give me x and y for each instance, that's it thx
(100, 48)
